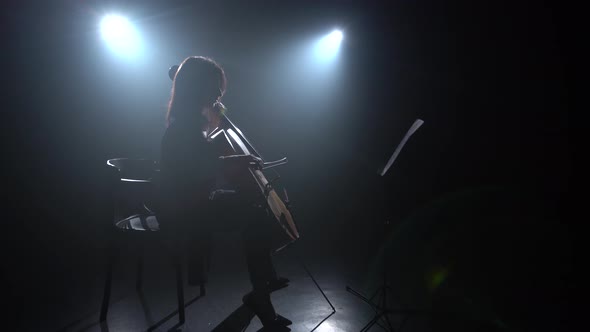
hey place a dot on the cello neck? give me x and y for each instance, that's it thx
(250, 147)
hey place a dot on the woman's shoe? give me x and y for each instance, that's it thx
(276, 328)
(278, 319)
(262, 307)
(283, 321)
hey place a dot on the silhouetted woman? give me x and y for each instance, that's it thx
(189, 167)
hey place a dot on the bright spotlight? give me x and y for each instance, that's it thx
(328, 47)
(120, 35)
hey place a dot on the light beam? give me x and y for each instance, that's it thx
(327, 48)
(120, 35)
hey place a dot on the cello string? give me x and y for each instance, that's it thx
(237, 130)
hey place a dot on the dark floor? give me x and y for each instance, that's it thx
(68, 295)
(75, 305)
(465, 271)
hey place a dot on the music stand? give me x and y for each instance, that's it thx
(382, 309)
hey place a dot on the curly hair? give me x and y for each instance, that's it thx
(198, 82)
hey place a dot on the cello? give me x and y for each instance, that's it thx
(284, 230)
(230, 141)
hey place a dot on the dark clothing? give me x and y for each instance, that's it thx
(190, 169)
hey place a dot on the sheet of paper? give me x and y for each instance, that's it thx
(411, 131)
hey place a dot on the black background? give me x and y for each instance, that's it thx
(483, 184)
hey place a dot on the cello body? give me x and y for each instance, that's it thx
(252, 185)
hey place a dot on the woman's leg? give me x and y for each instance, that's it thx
(256, 244)
(258, 262)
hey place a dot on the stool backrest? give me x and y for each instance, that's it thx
(134, 189)
(135, 169)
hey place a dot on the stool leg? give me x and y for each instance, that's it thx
(180, 292)
(107, 284)
(139, 276)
